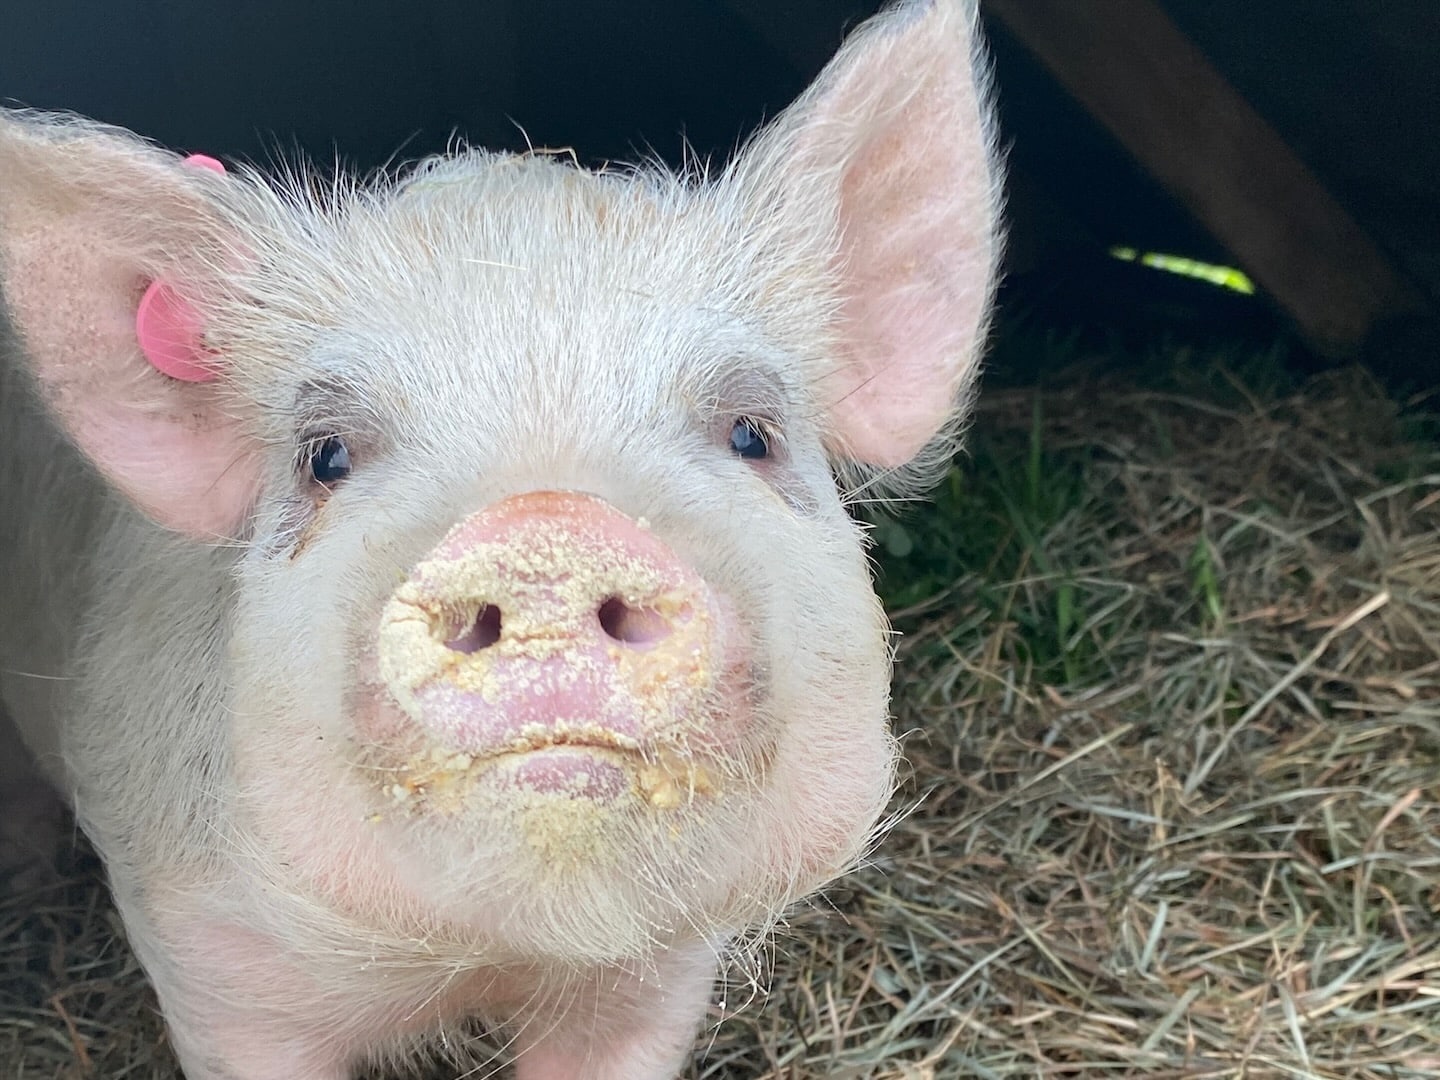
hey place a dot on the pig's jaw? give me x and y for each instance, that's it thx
(572, 851)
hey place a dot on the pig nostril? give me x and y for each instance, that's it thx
(480, 634)
(631, 625)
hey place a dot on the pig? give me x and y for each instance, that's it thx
(437, 595)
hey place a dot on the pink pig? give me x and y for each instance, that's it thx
(458, 615)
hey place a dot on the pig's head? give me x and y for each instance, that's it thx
(550, 633)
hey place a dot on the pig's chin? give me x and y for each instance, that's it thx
(583, 845)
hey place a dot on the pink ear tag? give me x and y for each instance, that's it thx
(168, 327)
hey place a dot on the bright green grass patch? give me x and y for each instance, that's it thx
(998, 537)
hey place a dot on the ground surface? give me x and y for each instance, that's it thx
(1171, 704)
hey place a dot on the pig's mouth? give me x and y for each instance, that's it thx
(590, 767)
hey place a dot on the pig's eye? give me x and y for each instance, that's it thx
(329, 460)
(748, 440)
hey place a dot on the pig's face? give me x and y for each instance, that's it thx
(575, 723)
(547, 633)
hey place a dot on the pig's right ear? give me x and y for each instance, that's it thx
(90, 217)
(883, 178)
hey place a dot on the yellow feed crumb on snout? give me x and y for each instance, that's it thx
(672, 781)
(546, 595)
(439, 781)
(435, 778)
(582, 826)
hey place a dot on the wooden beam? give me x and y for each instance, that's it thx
(1134, 70)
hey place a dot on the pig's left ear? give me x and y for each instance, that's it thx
(90, 219)
(889, 161)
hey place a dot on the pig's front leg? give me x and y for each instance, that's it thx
(219, 1039)
(623, 1027)
(237, 1004)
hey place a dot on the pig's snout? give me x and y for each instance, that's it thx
(635, 626)
(551, 620)
(566, 567)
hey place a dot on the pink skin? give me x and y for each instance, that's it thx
(559, 653)
(571, 771)
(247, 999)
